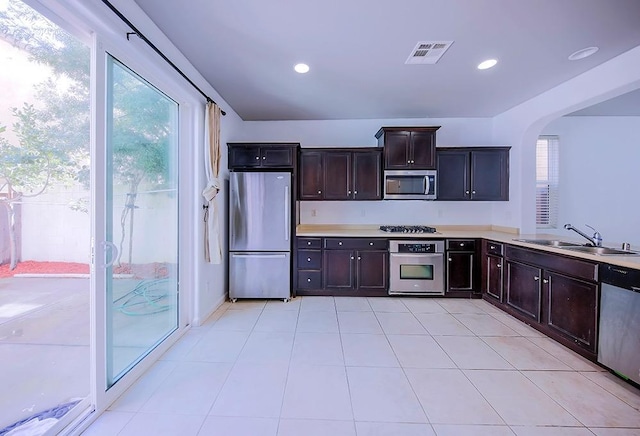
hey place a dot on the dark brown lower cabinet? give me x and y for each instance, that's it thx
(524, 289)
(494, 277)
(355, 271)
(343, 266)
(461, 266)
(557, 295)
(572, 309)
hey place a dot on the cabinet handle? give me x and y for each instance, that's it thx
(499, 265)
(308, 259)
(536, 278)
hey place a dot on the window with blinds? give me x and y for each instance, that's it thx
(547, 181)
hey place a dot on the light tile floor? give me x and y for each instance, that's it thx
(371, 367)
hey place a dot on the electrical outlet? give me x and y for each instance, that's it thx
(314, 212)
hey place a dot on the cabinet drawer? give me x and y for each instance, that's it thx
(461, 245)
(309, 259)
(495, 248)
(355, 244)
(309, 279)
(315, 243)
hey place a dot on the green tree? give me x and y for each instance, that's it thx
(53, 131)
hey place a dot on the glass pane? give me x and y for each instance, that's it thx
(45, 216)
(142, 211)
(416, 272)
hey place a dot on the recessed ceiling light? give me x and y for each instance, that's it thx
(301, 68)
(583, 53)
(487, 64)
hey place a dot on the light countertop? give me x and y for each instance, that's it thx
(499, 234)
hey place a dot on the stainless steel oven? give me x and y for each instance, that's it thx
(416, 267)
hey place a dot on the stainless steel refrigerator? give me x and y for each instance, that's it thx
(259, 235)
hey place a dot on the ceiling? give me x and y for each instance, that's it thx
(357, 50)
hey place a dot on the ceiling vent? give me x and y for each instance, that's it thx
(428, 52)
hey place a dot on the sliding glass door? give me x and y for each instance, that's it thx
(141, 219)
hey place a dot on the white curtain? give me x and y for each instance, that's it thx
(212, 247)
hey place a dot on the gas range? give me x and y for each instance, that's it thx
(408, 229)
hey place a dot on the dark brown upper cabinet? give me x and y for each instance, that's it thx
(341, 174)
(408, 148)
(466, 173)
(245, 155)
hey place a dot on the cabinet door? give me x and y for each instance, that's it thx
(489, 175)
(459, 271)
(337, 175)
(572, 309)
(311, 175)
(453, 175)
(244, 157)
(276, 157)
(524, 289)
(338, 270)
(423, 150)
(372, 270)
(494, 277)
(396, 150)
(367, 177)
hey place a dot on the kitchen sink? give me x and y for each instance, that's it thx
(602, 251)
(550, 243)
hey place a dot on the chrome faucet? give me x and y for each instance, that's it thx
(595, 240)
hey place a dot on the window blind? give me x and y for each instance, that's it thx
(547, 172)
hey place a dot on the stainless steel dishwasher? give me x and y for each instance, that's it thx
(619, 338)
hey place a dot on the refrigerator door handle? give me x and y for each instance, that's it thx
(260, 256)
(286, 213)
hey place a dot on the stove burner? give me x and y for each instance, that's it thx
(408, 229)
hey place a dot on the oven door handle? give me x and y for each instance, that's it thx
(412, 255)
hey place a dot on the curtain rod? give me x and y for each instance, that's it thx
(156, 49)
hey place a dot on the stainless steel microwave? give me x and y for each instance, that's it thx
(410, 185)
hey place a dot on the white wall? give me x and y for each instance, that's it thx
(521, 125)
(599, 163)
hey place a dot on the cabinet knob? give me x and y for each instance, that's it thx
(355, 192)
(536, 278)
(352, 257)
(462, 244)
(308, 280)
(493, 247)
(257, 157)
(319, 192)
(450, 259)
(473, 192)
(349, 192)
(359, 258)
(467, 192)
(308, 259)
(499, 265)
(340, 243)
(370, 243)
(308, 242)
(545, 281)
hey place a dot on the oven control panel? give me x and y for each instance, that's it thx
(416, 247)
